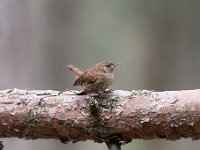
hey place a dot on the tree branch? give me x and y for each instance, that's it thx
(121, 115)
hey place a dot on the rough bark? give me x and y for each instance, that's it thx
(119, 115)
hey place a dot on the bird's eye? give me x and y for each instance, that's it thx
(108, 65)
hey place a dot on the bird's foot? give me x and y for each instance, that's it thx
(81, 93)
(108, 90)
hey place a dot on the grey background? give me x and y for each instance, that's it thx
(157, 42)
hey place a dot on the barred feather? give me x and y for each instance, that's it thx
(75, 70)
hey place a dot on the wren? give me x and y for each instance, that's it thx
(96, 79)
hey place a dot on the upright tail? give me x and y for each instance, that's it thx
(75, 70)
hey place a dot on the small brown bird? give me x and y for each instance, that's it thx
(96, 79)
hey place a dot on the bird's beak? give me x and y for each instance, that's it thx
(116, 65)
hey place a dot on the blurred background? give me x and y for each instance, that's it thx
(157, 41)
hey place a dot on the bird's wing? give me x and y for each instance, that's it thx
(86, 78)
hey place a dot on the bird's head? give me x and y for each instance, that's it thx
(107, 67)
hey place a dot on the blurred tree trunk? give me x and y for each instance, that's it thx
(56, 41)
(15, 41)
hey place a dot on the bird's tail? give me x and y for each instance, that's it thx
(75, 70)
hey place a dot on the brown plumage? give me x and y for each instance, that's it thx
(96, 79)
(75, 70)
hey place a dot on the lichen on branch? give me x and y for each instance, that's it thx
(127, 115)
